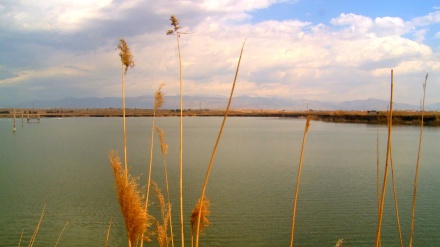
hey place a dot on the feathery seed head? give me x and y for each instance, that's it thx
(204, 221)
(163, 145)
(175, 23)
(158, 97)
(137, 220)
(125, 54)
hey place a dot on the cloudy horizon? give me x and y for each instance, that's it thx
(305, 49)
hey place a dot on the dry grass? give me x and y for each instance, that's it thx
(136, 218)
(165, 210)
(199, 217)
(34, 236)
(413, 208)
(62, 231)
(164, 151)
(388, 154)
(205, 183)
(108, 232)
(298, 179)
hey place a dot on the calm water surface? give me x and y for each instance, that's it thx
(64, 163)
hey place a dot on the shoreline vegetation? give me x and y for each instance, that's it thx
(431, 118)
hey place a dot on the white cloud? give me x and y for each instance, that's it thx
(346, 59)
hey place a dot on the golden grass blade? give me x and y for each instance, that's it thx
(34, 236)
(216, 145)
(292, 236)
(396, 206)
(158, 102)
(413, 208)
(126, 61)
(59, 237)
(164, 151)
(339, 243)
(203, 214)
(165, 209)
(182, 226)
(21, 237)
(108, 232)
(136, 218)
(384, 184)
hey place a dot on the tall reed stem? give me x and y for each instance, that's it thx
(384, 184)
(413, 208)
(181, 145)
(34, 236)
(292, 236)
(396, 206)
(108, 232)
(205, 183)
(62, 231)
(124, 127)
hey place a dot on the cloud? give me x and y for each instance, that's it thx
(348, 58)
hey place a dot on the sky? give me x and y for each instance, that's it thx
(323, 50)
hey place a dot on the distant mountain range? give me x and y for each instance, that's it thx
(240, 102)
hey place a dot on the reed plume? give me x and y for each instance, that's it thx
(137, 220)
(384, 184)
(413, 208)
(165, 210)
(306, 129)
(205, 183)
(339, 243)
(126, 61)
(201, 210)
(164, 151)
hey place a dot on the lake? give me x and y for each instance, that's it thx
(64, 163)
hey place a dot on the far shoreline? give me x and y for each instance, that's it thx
(431, 118)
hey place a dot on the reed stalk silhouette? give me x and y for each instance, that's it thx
(108, 232)
(413, 208)
(298, 179)
(126, 62)
(165, 210)
(34, 235)
(62, 231)
(384, 184)
(175, 31)
(137, 220)
(164, 151)
(200, 210)
(158, 102)
(205, 183)
(396, 206)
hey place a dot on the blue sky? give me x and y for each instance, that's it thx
(304, 49)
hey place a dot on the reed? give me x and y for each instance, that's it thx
(413, 208)
(200, 210)
(165, 210)
(176, 26)
(137, 220)
(164, 151)
(126, 61)
(205, 183)
(396, 205)
(34, 236)
(21, 237)
(298, 179)
(62, 231)
(108, 232)
(384, 184)
(339, 243)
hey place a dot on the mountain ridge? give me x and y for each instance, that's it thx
(212, 102)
